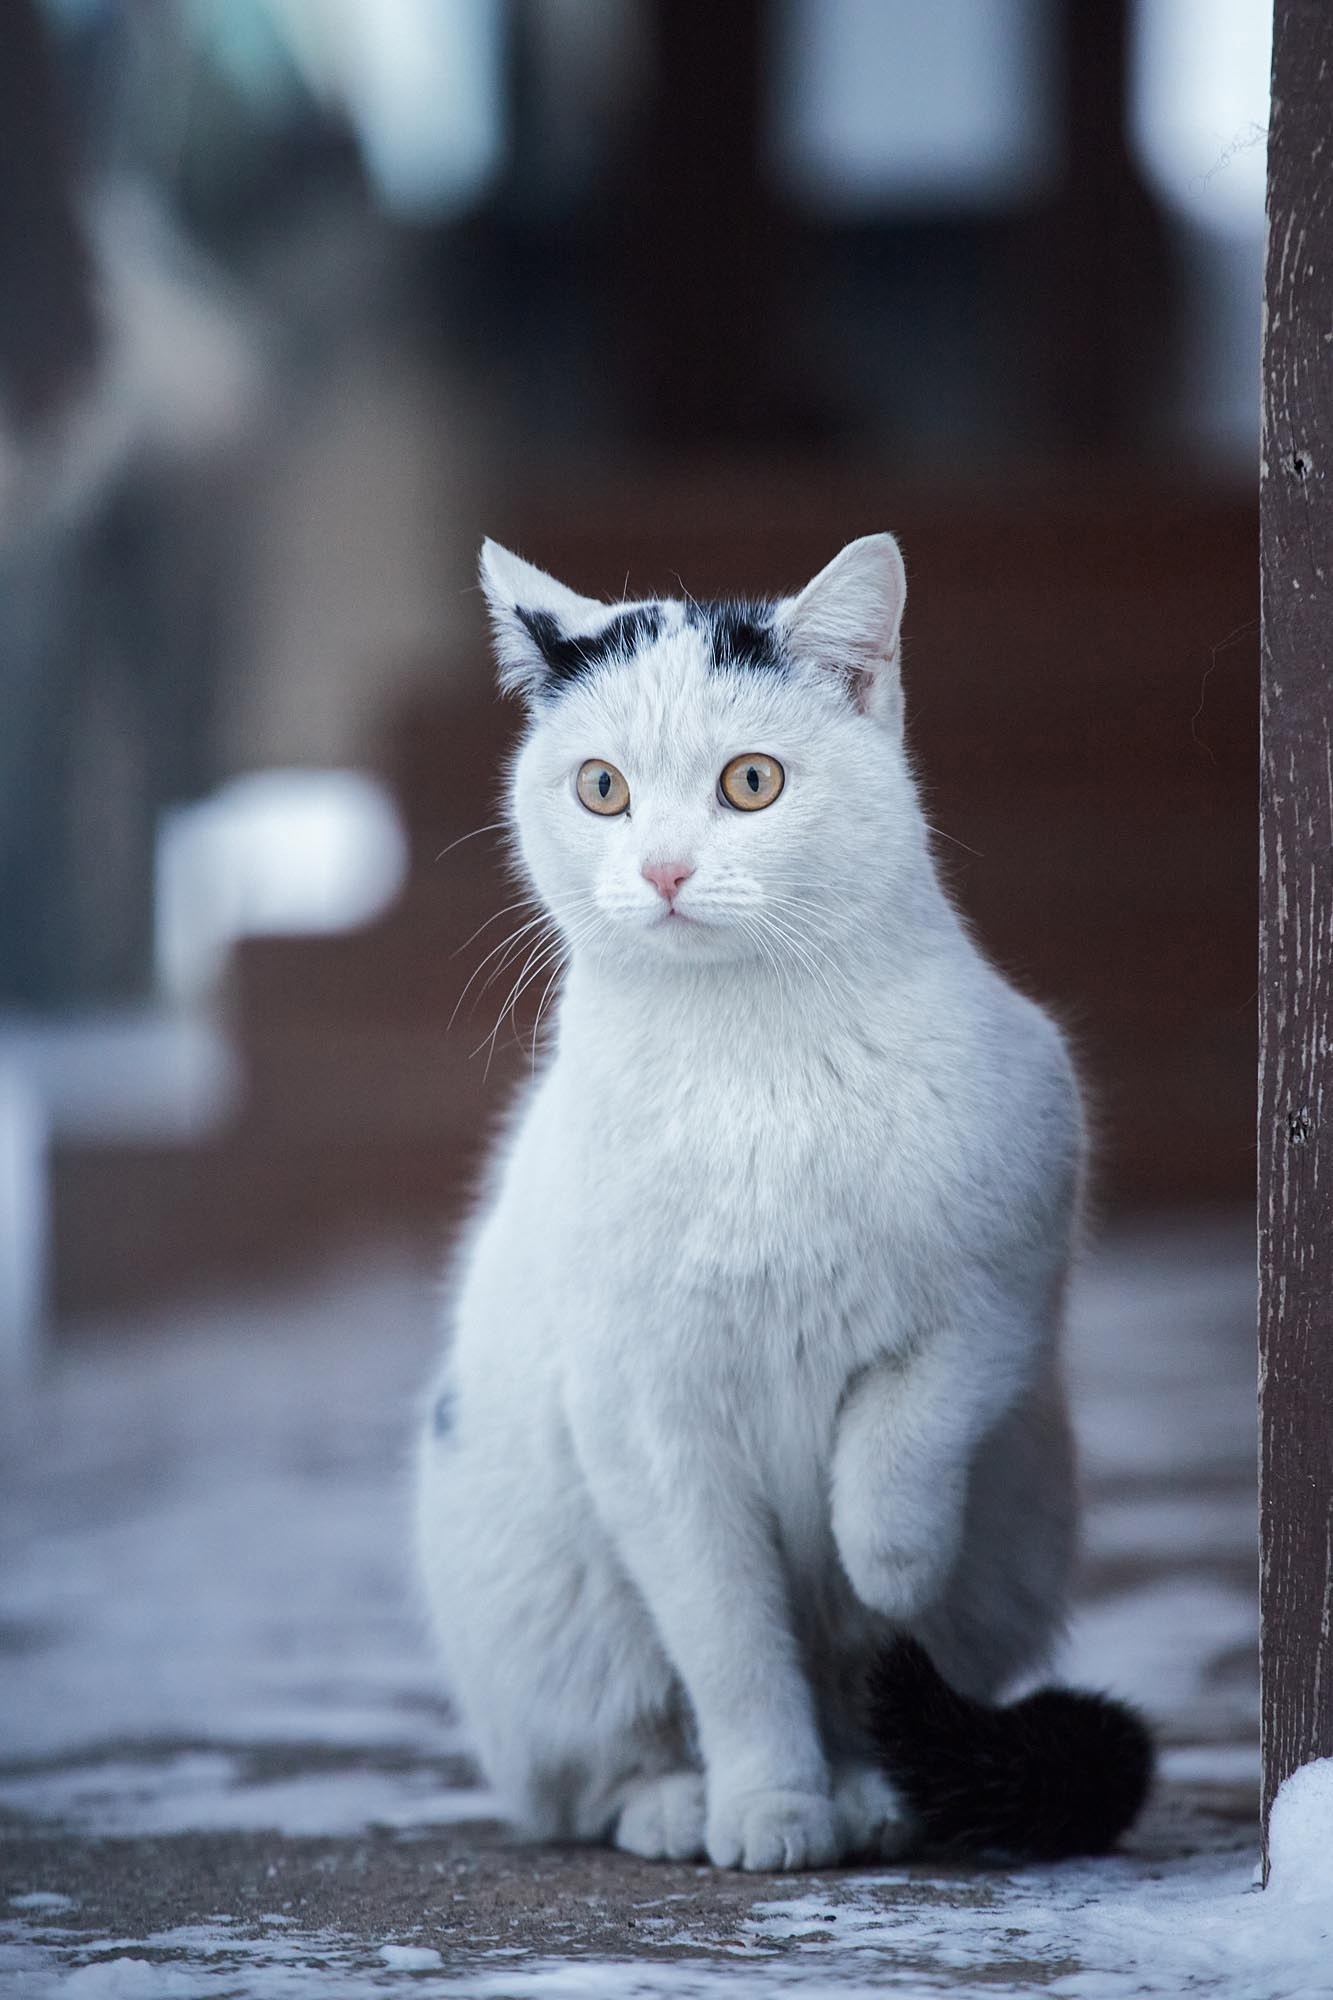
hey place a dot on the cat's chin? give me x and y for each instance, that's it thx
(688, 940)
(681, 940)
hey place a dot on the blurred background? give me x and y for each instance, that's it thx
(298, 298)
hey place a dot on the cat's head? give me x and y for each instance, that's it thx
(710, 781)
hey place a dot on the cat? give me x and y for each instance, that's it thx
(746, 1483)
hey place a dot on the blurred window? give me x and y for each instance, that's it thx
(420, 83)
(1198, 126)
(1199, 108)
(888, 106)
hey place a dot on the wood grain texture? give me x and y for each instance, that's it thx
(1296, 906)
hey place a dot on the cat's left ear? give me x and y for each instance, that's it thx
(847, 621)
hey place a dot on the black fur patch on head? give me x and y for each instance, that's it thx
(568, 658)
(740, 633)
(1057, 1774)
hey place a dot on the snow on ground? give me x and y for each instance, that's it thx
(225, 1767)
(195, 1789)
(204, 1524)
(1300, 1838)
(1106, 1931)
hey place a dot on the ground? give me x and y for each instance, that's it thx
(228, 1769)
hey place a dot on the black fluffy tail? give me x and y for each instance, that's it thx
(1059, 1773)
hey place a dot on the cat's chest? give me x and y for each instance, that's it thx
(761, 1164)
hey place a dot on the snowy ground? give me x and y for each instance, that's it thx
(225, 1769)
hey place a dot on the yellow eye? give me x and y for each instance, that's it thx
(601, 788)
(752, 781)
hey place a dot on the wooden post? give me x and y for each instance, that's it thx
(1099, 275)
(703, 248)
(1296, 908)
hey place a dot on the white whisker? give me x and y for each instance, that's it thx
(493, 826)
(506, 946)
(552, 951)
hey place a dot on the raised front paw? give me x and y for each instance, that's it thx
(772, 1830)
(898, 1557)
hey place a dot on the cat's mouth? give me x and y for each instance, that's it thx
(677, 927)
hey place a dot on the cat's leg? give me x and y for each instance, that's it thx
(696, 1538)
(841, 1641)
(1005, 1601)
(966, 1538)
(987, 1596)
(908, 1432)
(549, 1655)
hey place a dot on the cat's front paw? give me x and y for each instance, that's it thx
(897, 1558)
(771, 1830)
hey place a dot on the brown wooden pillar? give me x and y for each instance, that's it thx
(1102, 274)
(1296, 907)
(705, 249)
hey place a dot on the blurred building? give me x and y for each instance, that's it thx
(296, 303)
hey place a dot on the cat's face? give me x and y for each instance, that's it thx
(708, 782)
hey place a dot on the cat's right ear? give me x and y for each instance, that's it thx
(529, 611)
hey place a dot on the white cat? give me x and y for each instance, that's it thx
(754, 1364)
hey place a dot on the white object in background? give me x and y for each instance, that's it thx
(1198, 125)
(420, 81)
(1199, 108)
(23, 1222)
(882, 106)
(133, 1073)
(273, 851)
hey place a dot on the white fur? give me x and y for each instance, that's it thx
(754, 1353)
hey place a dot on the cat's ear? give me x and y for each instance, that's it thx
(529, 610)
(847, 621)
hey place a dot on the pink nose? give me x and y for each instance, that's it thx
(667, 877)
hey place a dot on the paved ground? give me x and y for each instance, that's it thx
(226, 1768)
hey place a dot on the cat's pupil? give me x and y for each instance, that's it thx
(752, 779)
(604, 783)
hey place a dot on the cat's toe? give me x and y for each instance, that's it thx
(873, 1821)
(662, 1819)
(770, 1831)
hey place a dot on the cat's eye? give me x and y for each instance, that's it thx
(601, 788)
(752, 781)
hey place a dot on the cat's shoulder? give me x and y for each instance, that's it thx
(967, 1012)
(991, 1077)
